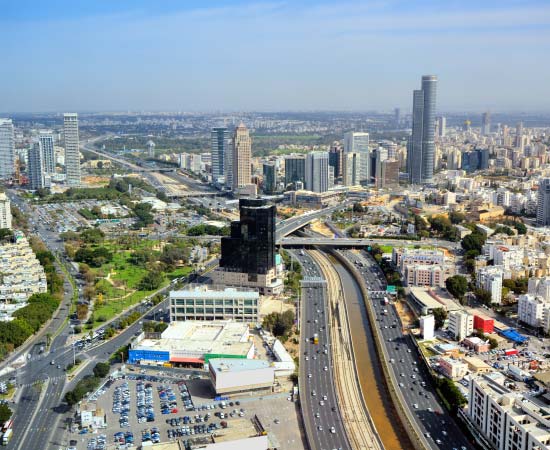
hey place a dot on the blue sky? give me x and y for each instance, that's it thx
(275, 55)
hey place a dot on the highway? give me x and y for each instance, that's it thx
(317, 394)
(413, 376)
(342, 242)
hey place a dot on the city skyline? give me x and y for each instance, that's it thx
(183, 58)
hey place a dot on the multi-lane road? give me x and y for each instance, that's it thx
(412, 374)
(320, 409)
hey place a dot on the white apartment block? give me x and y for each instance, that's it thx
(507, 420)
(490, 279)
(531, 309)
(202, 303)
(539, 287)
(5, 211)
(461, 324)
(427, 326)
(72, 149)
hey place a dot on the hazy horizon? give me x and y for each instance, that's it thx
(304, 56)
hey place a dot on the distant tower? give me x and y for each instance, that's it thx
(519, 135)
(219, 139)
(397, 117)
(421, 147)
(486, 123)
(35, 167)
(543, 203)
(442, 126)
(358, 142)
(317, 172)
(45, 140)
(72, 149)
(7, 149)
(467, 124)
(242, 154)
(151, 149)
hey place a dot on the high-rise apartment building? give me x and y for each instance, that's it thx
(7, 149)
(5, 211)
(72, 150)
(270, 178)
(317, 172)
(352, 168)
(461, 324)
(35, 170)
(242, 154)
(421, 146)
(219, 139)
(295, 169)
(358, 142)
(250, 248)
(519, 135)
(485, 123)
(45, 140)
(543, 203)
(335, 159)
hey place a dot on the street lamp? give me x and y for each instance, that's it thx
(74, 350)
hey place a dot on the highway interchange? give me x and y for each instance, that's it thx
(317, 393)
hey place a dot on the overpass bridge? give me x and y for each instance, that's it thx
(312, 241)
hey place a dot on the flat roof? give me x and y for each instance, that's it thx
(422, 295)
(237, 365)
(204, 293)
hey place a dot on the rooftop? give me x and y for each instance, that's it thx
(237, 365)
(204, 293)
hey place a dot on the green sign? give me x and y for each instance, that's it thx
(391, 289)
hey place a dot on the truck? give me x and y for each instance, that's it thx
(7, 436)
(315, 338)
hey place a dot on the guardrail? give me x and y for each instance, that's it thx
(415, 434)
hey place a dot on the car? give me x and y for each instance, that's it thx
(309, 375)
(415, 405)
(277, 421)
(325, 368)
(320, 428)
(438, 441)
(332, 430)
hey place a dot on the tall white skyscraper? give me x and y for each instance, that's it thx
(317, 172)
(351, 168)
(35, 169)
(5, 211)
(45, 140)
(72, 150)
(358, 142)
(7, 149)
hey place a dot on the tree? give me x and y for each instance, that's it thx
(101, 369)
(5, 413)
(279, 324)
(440, 315)
(483, 296)
(456, 217)
(457, 285)
(474, 241)
(151, 281)
(493, 343)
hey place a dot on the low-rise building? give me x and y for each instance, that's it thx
(452, 368)
(203, 303)
(91, 415)
(476, 344)
(229, 376)
(477, 365)
(484, 324)
(315, 200)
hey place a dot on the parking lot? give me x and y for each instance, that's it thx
(148, 408)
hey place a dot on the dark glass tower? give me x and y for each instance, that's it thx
(421, 146)
(251, 246)
(295, 169)
(270, 178)
(219, 138)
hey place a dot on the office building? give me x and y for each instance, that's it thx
(358, 142)
(506, 419)
(35, 169)
(543, 203)
(335, 159)
(317, 172)
(397, 117)
(72, 150)
(351, 169)
(441, 126)
(7, 149)
(150, 149)
(270, 178)
(519, 136)
(242, 154)
(461, 324)
(295, 170)
(202, 303)
(485, 123)
(388, 174)
(45, 140)
(219, 143)
(5, 211)
(421, 146)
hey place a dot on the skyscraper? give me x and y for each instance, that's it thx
(72, 151)
(359, 142)
(251, 246)
(219, 138)
(295, 169)
(397, 117)
(543, 203)
(485, 123)
(317, 172)
(45, 140)
(7, 149)
(335, 159)
(352, 168)
(242, 153)
(421, 146)
(519, 135)
(270, 178)
(36, 166)
(442, 126)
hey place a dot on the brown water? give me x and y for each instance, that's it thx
(371, 377)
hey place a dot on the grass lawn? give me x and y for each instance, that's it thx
(386, 248)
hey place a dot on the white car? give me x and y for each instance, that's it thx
(415, 405)
(332, 430)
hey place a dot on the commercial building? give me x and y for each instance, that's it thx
(387, 174)
(7, 149)
(72, 150)
(427, 326)
(335, 159)
(485, 324)
(476, 344)
(422, 300)
(506, 419)
(317, 172)
(270, 178)
(242, 154)
(91, 415)
(490, 279)
(452, 368)
(5, 211)
(248, 253)
(477, 365)
(230, 376)
(203, 303)
(358, 142)
(45, 141)
(312, 200)
(295, 170)
(543, 203)
(193, 343)
(35, 169)
(352, 169)
(402, 256)
(461, 324)
(485, 123)
(421, 146)
(219, 143)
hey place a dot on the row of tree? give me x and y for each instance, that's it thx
(88, 384)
